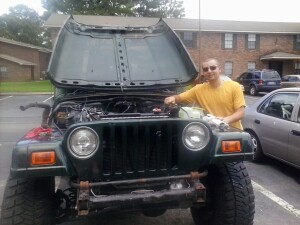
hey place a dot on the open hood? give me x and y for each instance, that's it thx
(114, 57)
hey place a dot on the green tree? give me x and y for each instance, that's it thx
(90, 7)
(25, 25)
(139, 8)
(159, 8)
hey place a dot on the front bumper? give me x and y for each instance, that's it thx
(265, 88)
(175, 196)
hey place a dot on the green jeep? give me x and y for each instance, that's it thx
(120, 149)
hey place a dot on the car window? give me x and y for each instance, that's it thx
(249, 75)
(298, 117)
(292, 79)
(270, 75)
(257, 75)
(285, 78)
(280, 105)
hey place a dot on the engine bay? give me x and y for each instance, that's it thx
(88, 109)
(67, 113)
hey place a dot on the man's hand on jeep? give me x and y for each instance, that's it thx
(170, 100)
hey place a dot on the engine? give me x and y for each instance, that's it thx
(69, 112)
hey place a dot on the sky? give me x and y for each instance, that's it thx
(239, 10)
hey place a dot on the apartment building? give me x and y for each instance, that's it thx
(22, 62)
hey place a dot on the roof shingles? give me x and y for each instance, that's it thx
(57, 20)
(17, 60)
(5, 40)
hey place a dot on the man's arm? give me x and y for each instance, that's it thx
(236, 116)
(172, 100)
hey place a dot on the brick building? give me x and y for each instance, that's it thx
(22, 62)
(239, 45)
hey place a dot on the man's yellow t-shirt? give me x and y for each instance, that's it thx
(221, 102)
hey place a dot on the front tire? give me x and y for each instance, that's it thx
(28, 201)
(258, 152)
(230, 197)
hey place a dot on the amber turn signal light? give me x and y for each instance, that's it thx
(43, 158)
(231, 146)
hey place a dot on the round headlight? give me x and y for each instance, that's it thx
(83, 142)
(195, 136)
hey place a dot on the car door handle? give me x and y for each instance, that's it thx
(257, 121)
(295, 132)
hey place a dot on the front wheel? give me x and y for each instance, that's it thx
(258, 152)
(230, 197)
(28, 201)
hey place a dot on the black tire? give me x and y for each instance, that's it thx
(28, 201)
(230, 197)
(258, 152)
(253, 90)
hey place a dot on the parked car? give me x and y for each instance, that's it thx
(255, 81)
(274, 124)
(224, 78)
(120, 148)
(290, 81)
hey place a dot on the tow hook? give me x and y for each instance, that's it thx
(83, 198)
(200, 188)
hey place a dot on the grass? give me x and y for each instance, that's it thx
(30, 86)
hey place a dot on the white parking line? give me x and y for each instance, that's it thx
(48, 98)
(276, 199)
(5, 98)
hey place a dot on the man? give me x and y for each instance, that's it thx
(223, 99)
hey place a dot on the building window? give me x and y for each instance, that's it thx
(189, 39)
(251, 41)
(297, 42)
(228, 41)
(228, 68)
(297, 69)
(3, 72)
(251, 65)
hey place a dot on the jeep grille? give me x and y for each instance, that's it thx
(139, 149)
